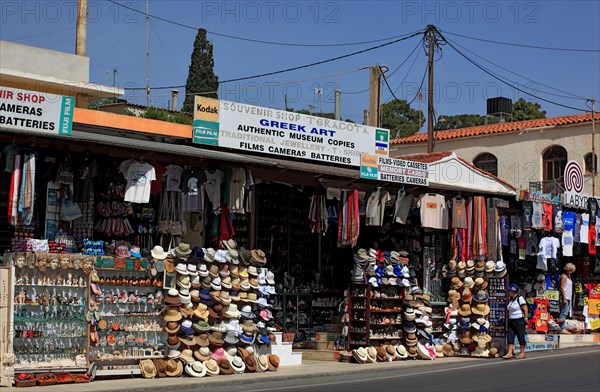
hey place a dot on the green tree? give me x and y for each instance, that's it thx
(462, 121)
(525, 110)
(400, 118)
(201, 76)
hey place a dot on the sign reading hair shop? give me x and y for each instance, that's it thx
(36, 111)
(374, 167)
(278, 132)
(573, 180)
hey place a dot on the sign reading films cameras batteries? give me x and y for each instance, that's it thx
(278, 132)
(394, 170)
(573, 180)
(35, 111)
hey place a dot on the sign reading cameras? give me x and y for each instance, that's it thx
(394, 170)
(573, 180)
(278, 132)
(35, 111)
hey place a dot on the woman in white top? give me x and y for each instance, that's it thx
(566, 289)
(517, 318)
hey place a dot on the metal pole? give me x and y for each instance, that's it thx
(147, 58)
(338, 115)
(593, 150)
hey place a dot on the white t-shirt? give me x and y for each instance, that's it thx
(536, 218)
(376, 207)
(432, 208)
(567, 243)
(237, 190)
(213, 188)
(174, 178)
(514, 307)
(139, 177)
(585, 227)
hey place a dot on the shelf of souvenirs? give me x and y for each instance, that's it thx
(385, 311)
(50, 285)
(129, 330)
(148, 314)
(131, 358)
(51, 337)
(81, 306)
(384, 324)
(54, 369)
(384, 337)
(48, 320)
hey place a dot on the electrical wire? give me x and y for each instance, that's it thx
(166, 51)
(523, 45)
(250, 39)
(406, 76)
(569, 96)
(297, 67)
(505, 82)
(420, 86)
(37, 35)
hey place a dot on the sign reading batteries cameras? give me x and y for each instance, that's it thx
(573, 180)
(278, 132)
(401, 171)
(35, 111)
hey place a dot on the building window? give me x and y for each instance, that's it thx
(555, 161)
(590, 164)
(487, 162)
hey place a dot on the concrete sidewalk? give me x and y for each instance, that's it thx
(307, 369)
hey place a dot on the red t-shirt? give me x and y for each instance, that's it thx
(156, 185)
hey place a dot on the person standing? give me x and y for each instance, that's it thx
(517, 317)
(566, 289)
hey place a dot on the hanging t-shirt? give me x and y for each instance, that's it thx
(504, 230)
(569, 220)
(459, 213)
(585, 227)
(527, 214)
(592, 240)
(8, 156)
(402, 206)
(214, 179)
(174, 173)
(567, 243)
(532, 243)
(577, 230)
(156, 186)
(432, 206)
(236, 190)
(516, 222)
(84, 178)
(522, 245)
(558, 220)
(513, 247)
(547, 217)
(139, 177)
(192, 190)
(123, 166)
(548, 247)
(536, 218)
(376, 207)
(592, 206)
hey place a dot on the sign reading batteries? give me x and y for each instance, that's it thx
(374, 167)
(35, 111)
(278, 132)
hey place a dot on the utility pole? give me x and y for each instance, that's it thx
(174, 94)
(432, 44)
(374, 95)
(81, 33)
(114, 72)
(147, 58)
(285, 100)
(338, 115)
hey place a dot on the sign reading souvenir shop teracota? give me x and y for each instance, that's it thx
(401, 171)
(573, 182)
(278, 132)
(35, 111)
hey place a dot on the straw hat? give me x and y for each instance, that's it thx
(174, 368)
(212, 367)
(465, 310)
(273, 360)
(147, 368)
(195, 369)
(263, 363)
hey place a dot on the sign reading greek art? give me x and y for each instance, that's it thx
(278, 132)
(36, 111)
(573, 180)
(401, 171)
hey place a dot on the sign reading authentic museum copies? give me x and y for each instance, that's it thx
(36, 111)
(278, 132)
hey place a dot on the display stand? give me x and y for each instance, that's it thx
(128, 322)
(358, 325)
(498, 292)
(296, 313)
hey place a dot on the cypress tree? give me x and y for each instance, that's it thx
(201, 76)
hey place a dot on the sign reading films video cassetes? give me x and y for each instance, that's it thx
(278, 132)
(394, 170)
(36, 111)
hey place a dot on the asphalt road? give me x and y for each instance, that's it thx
(570, 370)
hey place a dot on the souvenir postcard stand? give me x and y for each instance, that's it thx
(497, 288)
(127, 325)
(50, 302)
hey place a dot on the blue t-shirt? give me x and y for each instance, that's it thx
(569, 220)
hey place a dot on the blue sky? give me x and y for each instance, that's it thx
(116, 39)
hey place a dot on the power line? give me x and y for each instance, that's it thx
(406, 76)
(250, 39)
(572, 96)
(421, 85)
(297, 67)
(523, 45)
(505, 82)
(38, 35)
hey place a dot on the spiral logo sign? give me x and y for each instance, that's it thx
(573, 177)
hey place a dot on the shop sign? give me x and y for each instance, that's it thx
(550, 342)
(278, 132)
(573, 179)
(537, 196)
(36, 111)
(394, 170)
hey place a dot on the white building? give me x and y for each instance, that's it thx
(530, 154)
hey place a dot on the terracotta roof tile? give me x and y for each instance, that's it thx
(426, 158)
(498, 128)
